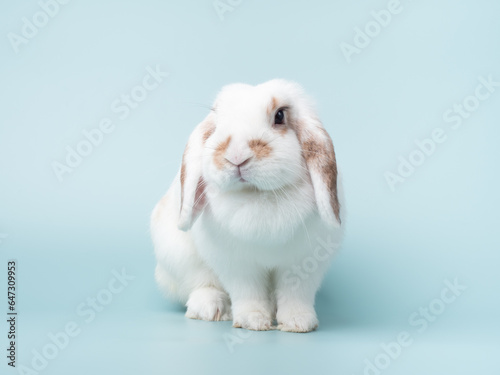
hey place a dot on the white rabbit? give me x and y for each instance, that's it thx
(240, 234)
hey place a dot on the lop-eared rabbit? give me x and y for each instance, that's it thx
(238, 234)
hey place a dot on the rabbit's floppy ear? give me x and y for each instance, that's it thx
(192, 184)
(318, 152)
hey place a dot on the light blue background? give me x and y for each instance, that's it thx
(442, 223)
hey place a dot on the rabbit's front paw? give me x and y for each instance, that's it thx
(254, 320)
(297, 321)
(208, 304)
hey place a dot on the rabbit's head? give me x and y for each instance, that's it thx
(262, 137)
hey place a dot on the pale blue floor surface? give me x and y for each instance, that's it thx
(166, 342)
(139, 332)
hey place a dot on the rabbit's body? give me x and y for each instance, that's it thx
(261, 234)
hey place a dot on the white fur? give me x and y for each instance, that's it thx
(253, 239)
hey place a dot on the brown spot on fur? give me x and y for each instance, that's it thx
(183, 173)
(272, 106)
(260, 148)
(282, 129)
(220, 151)
(209, 130)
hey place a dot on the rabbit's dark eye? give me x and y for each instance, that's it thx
(279, 117)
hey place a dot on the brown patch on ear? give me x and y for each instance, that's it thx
(330, 177)
(260, 148)
(183, 173)
(199, 198)
(320, 156)
(312, 150)
(220, 150)
(210, 128)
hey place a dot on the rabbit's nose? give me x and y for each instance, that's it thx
(237, 161)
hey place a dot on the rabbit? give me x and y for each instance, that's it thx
(237, 235)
